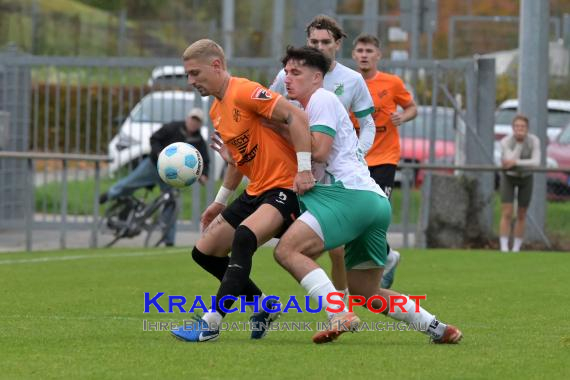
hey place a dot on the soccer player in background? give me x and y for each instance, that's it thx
(346, 207)
(325, 34)
(388, 92)
(269, 203)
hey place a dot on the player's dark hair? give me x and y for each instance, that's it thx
(326, 23)
(364, 38)
(307, 56)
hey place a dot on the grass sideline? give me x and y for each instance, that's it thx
(79, 313)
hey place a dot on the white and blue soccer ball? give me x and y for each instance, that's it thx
(180, 164)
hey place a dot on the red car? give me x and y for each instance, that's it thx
(416, 136)
(558, 153)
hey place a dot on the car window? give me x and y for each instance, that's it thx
(505, 116)
(170, 82)
(558, 119)
(160, 110)
(419, 128)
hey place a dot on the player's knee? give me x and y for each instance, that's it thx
(198, 256)
(280, 253)
(244, 240)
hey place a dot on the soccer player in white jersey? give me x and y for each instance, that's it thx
(324, 34)
(346, 207)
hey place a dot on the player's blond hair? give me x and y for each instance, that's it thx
(204, 49)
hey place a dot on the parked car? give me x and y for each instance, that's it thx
(168, 77)
(558, 116)
(448, 135)
(147, 116)
(558, 152)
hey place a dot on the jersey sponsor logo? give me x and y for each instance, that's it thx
(382, 93)
(339, 89)
(248, 156)
(237, 115)
(261, 93)
(240, 142)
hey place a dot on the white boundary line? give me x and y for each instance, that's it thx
(91, 256)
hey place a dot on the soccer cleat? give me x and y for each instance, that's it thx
(260, 322)
(198, 331)
(392, 261)
(451, 335)
(338, 324)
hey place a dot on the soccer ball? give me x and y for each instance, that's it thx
(180, 164)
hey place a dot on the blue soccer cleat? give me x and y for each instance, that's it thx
(197, 331)
(260, 322)
(392, 261)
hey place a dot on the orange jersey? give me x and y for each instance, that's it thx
(388, 91)
(260, 153)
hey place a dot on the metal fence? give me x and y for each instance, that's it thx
(70, 109)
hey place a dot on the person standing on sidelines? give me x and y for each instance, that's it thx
(326, 35)
(346, 207)
(388, 92)
(269, 203)
(518, 150)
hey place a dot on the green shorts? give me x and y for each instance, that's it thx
(358, 219)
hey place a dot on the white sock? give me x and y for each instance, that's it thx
(317, 284)
(423, 320)
(212, 317)
(345, 297)
(517, 244)
(504, 243)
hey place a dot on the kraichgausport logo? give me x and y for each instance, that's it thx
(179, 304)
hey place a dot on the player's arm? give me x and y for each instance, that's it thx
(367, 133)
(322, 144)
(298, 126)
(410, 111)
(232, 179)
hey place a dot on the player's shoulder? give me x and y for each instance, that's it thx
(389, 77)
(247, 91)
(347, 72)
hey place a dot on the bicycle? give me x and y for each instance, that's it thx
(129, 216)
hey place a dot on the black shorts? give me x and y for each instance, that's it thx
(284, 200)
(384, 176)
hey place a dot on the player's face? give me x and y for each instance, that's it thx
(203, 75)
(520, 130)
(366, 56)
(300, 81)
(323, 40)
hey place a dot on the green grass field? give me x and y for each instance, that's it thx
(79, 314)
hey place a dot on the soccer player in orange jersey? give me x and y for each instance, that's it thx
(388, 92)
(268, 205)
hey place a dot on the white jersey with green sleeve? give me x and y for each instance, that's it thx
(347, 84)
(345, 164)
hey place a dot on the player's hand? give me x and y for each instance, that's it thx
(213, 210)
(396, 118)
(218, 145)
(304, 181)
